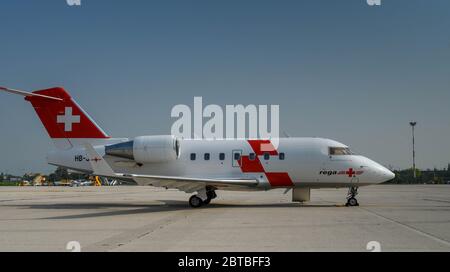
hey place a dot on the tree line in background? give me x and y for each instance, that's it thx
(428, 176)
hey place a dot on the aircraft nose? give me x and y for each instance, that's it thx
(382, 174)
(377, 172)
(387, 174)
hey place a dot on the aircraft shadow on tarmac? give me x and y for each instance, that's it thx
(157, 206)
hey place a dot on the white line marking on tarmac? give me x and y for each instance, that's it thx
(408, 227)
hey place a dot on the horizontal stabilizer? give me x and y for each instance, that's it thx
(24, 93)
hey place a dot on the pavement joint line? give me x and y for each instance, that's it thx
(64, 197)
(129, 236)
(428, 235)
(436, 200)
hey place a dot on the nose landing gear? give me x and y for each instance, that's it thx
(351, 197)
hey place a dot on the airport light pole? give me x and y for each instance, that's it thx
(413, 124)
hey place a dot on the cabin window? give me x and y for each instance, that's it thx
(266, 156)
(252, 156)
(339, 151)
(207, 156)
(222, 156)
(237, 156)
(193, 156)
(281, 156)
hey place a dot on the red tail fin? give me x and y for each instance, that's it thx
(64, 118)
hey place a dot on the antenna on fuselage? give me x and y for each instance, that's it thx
(286, 134)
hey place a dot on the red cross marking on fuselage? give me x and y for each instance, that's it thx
(350, 172)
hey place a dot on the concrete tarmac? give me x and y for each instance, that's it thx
(132, 218)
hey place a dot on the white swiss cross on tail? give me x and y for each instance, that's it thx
(58, 112)
(68, 119)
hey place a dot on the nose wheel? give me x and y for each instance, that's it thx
(351, 197)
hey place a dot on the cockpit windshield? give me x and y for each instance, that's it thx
(340, 151)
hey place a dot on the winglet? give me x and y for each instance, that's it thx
(98, 163)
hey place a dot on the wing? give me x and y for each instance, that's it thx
(186, 184)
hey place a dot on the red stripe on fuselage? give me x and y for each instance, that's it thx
(262, 146)
(251, 166)
(279, 179)
(259, 147)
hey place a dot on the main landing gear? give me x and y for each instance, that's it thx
(351, 197)
(203, 197)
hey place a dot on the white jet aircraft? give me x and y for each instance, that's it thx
(199, 166)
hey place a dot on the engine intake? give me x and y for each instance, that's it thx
(147, 149)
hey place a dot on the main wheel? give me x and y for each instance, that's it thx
(352, 202)
(195, 201)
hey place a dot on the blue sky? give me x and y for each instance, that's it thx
(338, 69)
